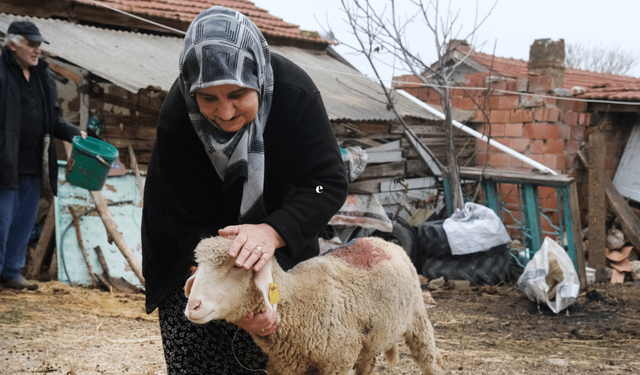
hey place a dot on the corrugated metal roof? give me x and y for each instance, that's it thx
(348, 94)
(131, 60)
(136, 61)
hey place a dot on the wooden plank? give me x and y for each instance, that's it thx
(389, 146)
(46, 237)
(366, 187)
(412, 184)
(597, 204)
(516, 176)
(384, 157)
(383, 170)
(133, 164)
(65, 72)
(576, 230)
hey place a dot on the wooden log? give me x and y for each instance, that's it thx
(133, 163)
(114, 235)
(46, 236)
(76, 223)
(597, 204)
(576, 229)
(385, 170)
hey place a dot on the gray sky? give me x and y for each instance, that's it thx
(511, 27)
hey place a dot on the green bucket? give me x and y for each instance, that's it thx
(90, 162)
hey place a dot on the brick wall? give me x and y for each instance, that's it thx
(549, 130)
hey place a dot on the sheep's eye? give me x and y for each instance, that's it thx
(234, 266)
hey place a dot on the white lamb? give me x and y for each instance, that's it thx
(336, 312)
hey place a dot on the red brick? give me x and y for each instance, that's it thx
(474, 80)
(540, 130)
(528, 101)
(584, 119)
(512, 86)
(571, 105)
(537, 146)
(455, 102)
(549, 101)
(481, 157)
(519, 144)
(502, 85)
(521, 115)
(571, 118)
(504, 102)
(433, 95)
(423, 93)
(541, 84)
(554, 146)
(500, 116)
(564, 131)
(546, 114)
(499, 159)
(515, 162)
(514, 130)
(573, 146)
(467, 103)
(560, 161)
(481, 116)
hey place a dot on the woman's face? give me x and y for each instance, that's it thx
(229, 106)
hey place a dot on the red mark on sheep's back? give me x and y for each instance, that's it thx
(363, 254)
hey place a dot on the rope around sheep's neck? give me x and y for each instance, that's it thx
(237, 359)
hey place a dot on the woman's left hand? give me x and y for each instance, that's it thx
(261, 324)
(254, 245)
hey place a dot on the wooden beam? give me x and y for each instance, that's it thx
(576, 229)
(133, 163)
(114, 235)
(46, 236)
(597, 203)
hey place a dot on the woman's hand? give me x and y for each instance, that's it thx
(261, 324)
(254, 245)
(83, 134)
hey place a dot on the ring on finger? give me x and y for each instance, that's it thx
(259, 251)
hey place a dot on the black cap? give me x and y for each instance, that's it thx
(26, 29)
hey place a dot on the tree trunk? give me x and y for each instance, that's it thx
(453, 171)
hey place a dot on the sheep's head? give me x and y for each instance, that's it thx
(219, 289)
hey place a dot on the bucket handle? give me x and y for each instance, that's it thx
(103, 161)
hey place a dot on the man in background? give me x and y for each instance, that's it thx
(29, 117)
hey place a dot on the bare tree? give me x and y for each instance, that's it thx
(600, 58)
(382, 30)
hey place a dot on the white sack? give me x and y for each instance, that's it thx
(550, 265)
(473, 229)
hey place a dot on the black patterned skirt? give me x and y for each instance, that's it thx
(217, 347)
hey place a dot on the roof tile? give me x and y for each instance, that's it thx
(186, 11)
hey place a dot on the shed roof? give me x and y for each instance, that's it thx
(136, 61)
(509, 67)
(187, 10)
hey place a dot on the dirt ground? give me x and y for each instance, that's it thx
(487, 330)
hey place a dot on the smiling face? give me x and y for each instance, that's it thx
(229, 106)
(27, 53)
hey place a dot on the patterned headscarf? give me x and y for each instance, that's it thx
(224, 47)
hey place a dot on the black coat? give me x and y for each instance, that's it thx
(184, 200)
(10, 118)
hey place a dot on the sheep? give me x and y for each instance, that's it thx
(336, 311)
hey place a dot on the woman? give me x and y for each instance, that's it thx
(244, 147)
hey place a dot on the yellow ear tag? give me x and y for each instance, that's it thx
(274, 294)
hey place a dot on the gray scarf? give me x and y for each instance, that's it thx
(224, 47)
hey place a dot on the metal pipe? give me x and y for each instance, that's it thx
(479, 135)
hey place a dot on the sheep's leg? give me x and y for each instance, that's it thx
(421, 343)
(365, 367)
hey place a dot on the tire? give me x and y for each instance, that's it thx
(487, 267)
(402, 235)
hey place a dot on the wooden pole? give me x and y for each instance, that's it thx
(76, 223)
(597, 203)
(46, 236)
(576, 229)
(134, 165)
(114, 235)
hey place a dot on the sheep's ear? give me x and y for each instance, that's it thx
(264, 280)
(189, 284)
